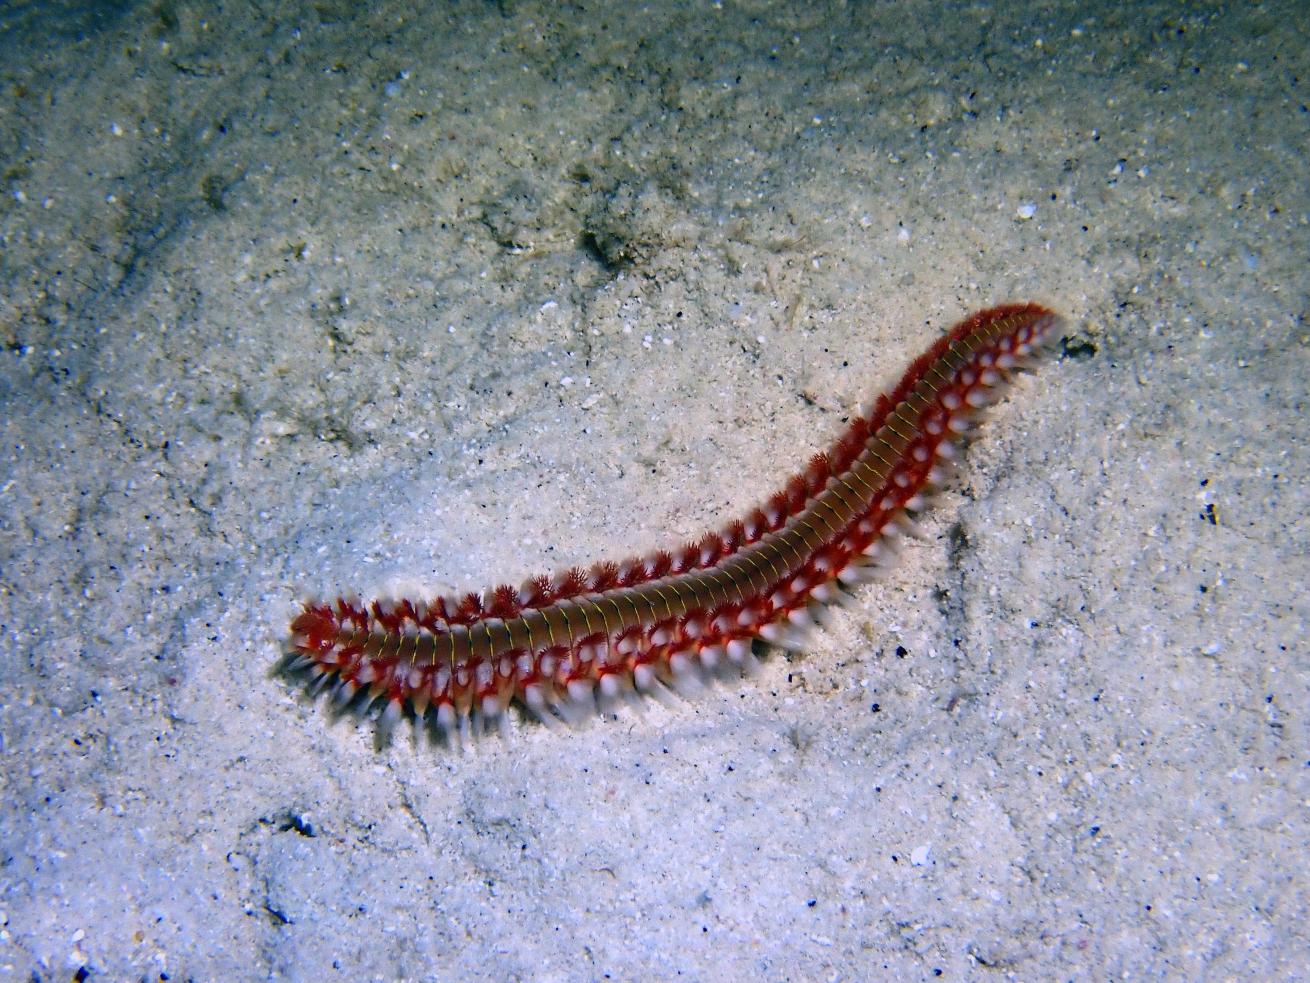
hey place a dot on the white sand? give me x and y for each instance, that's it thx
(351, 302)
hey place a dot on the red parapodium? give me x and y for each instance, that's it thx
(556, 643)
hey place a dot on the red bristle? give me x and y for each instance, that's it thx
(663, 632)
(572, 583)
(384, 616)
(469, 611)
(859, 430)
(816, 475)
(710, 549)
(594, 640)
(659, 565)
(351, 613)
(318, 626)
(778, 506)
(851, 446)
(604, 576)
(504, 602)
(430, 619)
(538, 591)
(448, 608)
(734, 536)
(628, 638)
(687, 559)
(798, 490)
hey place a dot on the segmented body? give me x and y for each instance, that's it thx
(555, 642)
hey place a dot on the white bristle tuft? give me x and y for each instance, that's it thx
(910, 528)
(446, 717)
(643, 677)
(800, 617)
(610, 685)
(846, 600)
(854, 576)
(419, 699)
(534, 698)
(783, 636)
(826, 593)
(712, 655)
(822, 615)
(680, 663)
(390, 716)
(580, 692)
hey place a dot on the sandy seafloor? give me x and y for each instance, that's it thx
(391, 301)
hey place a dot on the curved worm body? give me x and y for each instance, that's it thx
(555, 643)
